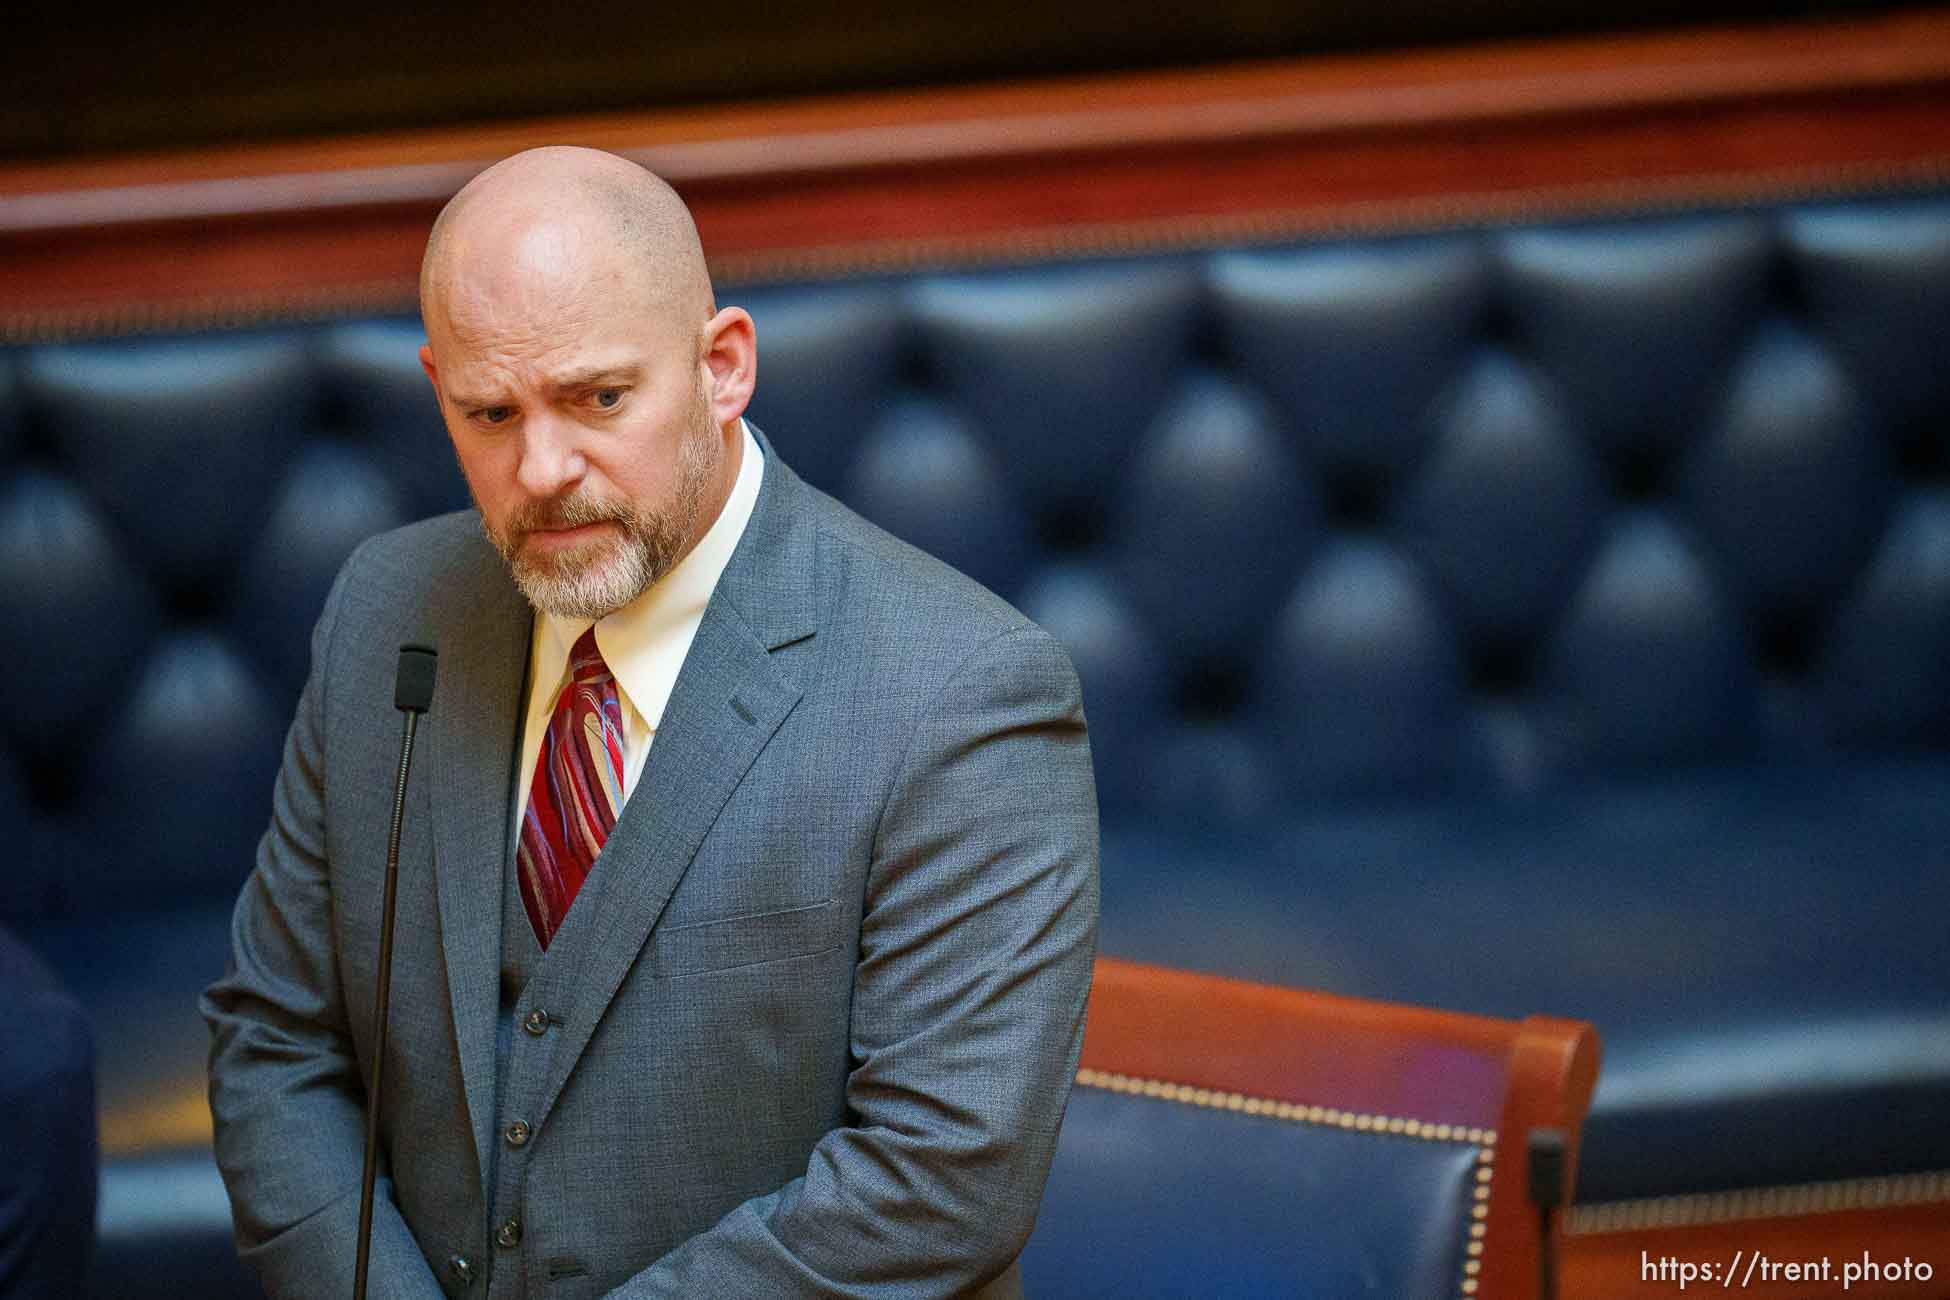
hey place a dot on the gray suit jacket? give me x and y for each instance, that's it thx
(809, 1029)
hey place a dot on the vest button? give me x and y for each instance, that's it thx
(536, 1022)
(508, 1235)
(462, 1269)
(517, 1134)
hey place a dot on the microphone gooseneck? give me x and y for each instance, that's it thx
(1548, 1151)
(412, 695)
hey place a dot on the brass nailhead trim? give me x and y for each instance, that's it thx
(1759, 1203)
(1294, 1112)
(1483, 1139)
(208, 312)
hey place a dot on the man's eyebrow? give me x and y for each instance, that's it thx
(470, 401)
(596, 376)
(587, 377)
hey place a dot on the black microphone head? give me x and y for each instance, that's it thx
(1547, 1156)
(413, 687)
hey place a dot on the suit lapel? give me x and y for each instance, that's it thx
(471, 752)
(729, 699)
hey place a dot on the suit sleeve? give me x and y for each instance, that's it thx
(286, 1092)
(976, 951)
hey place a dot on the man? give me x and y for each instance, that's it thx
(748, 888)
(47, 1085)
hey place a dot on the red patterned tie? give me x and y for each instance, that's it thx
(577, 791)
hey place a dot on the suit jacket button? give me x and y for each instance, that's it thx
(517, 1134)
(536, 1022)
(508, 1235)
(462, 1269)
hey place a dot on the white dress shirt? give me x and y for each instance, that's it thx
(644, 643)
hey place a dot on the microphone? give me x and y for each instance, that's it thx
(1548, 1151)
(412, 695)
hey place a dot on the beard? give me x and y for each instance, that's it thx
(609, 571)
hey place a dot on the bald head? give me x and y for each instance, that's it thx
(593, 391)
(562, 211)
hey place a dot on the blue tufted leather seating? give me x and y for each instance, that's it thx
(1532, 618)
(1235, 1139)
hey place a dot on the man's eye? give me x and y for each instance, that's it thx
(494, 414)
(607, 398)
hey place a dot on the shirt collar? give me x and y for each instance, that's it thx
(644, 642)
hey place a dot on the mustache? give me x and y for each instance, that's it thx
(572, 511)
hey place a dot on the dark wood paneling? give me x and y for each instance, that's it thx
(859, 183)
(123, 77)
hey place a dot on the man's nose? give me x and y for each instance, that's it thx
(551, 460)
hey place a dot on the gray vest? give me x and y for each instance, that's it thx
(535, 995)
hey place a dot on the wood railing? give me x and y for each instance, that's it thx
(860, 183)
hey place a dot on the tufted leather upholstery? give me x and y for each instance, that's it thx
(1542, 617)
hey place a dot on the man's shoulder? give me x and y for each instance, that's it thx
(421, 556)
(868, 569)
(905, 619)
(434, 571)
(425, 543)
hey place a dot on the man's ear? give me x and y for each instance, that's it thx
(730, 354)
(426, 364)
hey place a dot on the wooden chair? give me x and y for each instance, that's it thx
(1240, 1140)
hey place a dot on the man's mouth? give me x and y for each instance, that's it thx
(549, 538)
